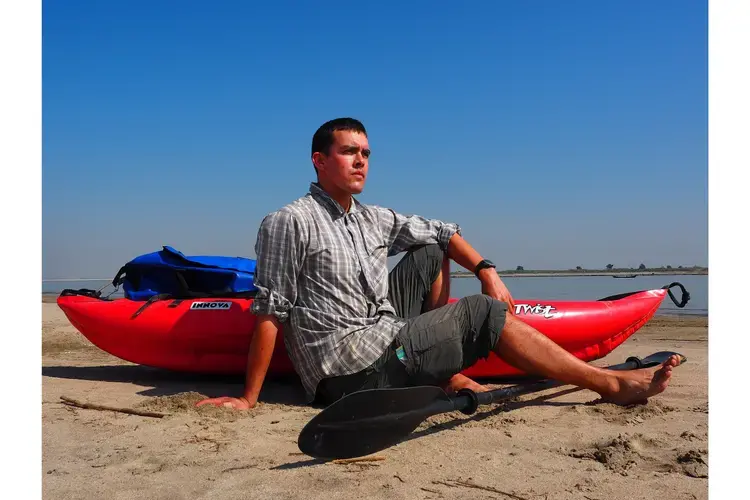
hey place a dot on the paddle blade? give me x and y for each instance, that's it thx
(660, 357)
(369, 421)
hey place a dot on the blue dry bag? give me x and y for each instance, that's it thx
(168, 273)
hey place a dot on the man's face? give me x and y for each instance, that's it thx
(345, 165)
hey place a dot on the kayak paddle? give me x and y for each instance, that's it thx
(368, 421)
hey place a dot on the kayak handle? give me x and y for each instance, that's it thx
(685, 294)
(680, 304)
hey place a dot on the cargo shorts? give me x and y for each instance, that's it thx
(432, 346)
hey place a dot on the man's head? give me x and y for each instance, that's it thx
(340, 154)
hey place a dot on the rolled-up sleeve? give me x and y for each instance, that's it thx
(402, 232)
(279, 249)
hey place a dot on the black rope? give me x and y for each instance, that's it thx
(86, 292)
(151, 300)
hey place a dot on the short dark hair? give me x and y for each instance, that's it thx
(323, 138)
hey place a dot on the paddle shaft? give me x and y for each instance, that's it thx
(468, 401)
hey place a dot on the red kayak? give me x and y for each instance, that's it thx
(213, 335)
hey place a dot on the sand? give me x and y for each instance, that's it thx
(557, 445)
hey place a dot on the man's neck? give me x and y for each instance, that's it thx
(341, 197)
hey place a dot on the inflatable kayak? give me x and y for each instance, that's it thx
(212, 336)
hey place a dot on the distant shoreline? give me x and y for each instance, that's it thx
(701, 271)
(570, 274)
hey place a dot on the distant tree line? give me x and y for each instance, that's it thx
(610, 267)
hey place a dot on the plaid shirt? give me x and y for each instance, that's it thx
(323, 273)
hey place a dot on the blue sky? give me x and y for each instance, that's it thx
(556, 134)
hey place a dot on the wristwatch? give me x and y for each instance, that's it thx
(484, 264)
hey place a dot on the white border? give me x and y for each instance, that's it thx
(20, 160)
(21, 252)
(728, 256)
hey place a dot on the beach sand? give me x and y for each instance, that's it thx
(540, 447)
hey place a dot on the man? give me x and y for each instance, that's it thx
(350, 325)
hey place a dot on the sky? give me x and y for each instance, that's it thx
(556, 134)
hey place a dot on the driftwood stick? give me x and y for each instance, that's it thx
(376, 458)
(445, 484)
(431, 491)
(91, 406)
(241, 467)
(489, 488)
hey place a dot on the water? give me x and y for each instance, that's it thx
(559, 288)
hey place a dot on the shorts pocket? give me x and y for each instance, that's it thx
(441, 361)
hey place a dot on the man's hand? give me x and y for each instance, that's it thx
(227, 402)
(493, 286)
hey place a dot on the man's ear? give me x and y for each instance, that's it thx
(318, 160)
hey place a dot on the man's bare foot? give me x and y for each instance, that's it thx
(639, 385)
(458, 382)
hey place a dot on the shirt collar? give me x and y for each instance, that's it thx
(320, 195)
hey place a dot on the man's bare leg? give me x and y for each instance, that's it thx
(438, 297)
(529, 350)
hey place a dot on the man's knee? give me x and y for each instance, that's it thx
(487, 311)
(487, 304)
(435, 252)
(429, 253)
(429, 259)
(486, 319)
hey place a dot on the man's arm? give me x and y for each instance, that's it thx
(259, 356)
(467, 257)
(402, 232)
(463, 254)
(280, 249)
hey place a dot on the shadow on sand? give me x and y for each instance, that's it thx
(279, 390)
(496, 410)
(306, 461)
(158, 382)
